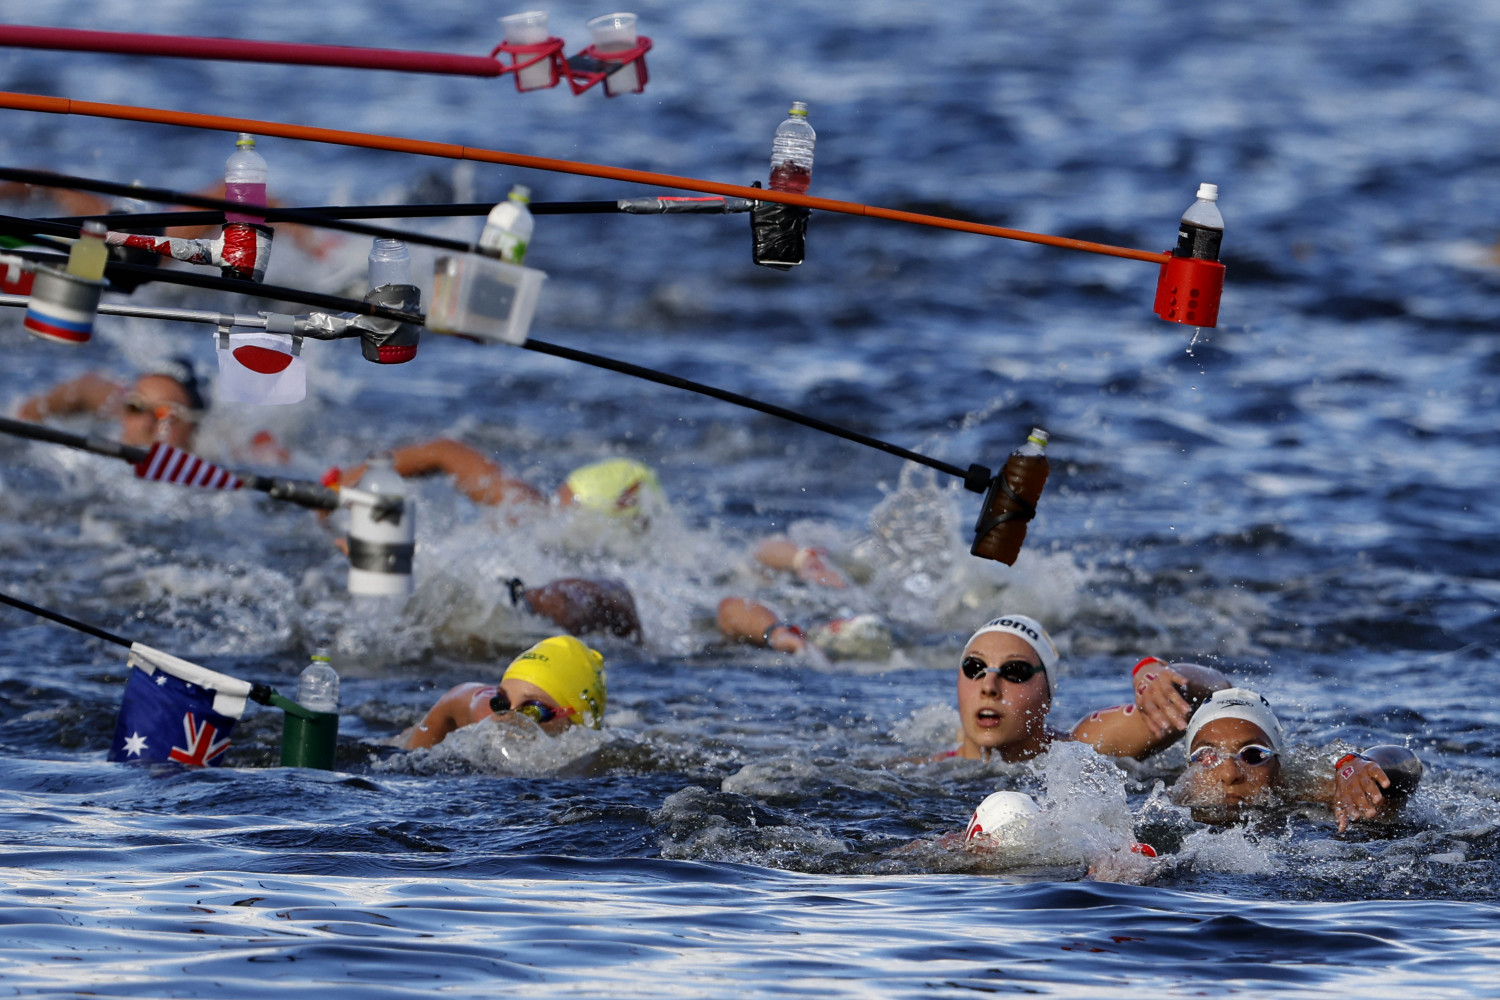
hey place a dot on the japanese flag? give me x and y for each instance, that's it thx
(261, 368)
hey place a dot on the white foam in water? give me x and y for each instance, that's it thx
(516, 747)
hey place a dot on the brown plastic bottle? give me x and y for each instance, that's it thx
(1001, 527)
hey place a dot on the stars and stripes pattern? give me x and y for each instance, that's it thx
(166, 464)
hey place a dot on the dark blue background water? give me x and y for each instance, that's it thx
(1301, 498)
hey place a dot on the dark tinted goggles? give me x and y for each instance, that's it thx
(536, 711)
(1016, 671)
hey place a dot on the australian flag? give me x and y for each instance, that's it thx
(174, 710)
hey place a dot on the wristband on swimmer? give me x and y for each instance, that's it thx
(1150, 659)
(1338, 765)
(517, 590)
(765, 638)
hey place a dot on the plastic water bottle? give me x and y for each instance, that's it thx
(507, 230)
(318, 685)
(792, 152)
(89, 253)
(1025, 473)
(245, 180)
(390, 263)
(1202, 227)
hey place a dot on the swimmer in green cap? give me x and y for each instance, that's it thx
(557, 683)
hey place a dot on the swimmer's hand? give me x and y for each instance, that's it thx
(1358, 791)
(1159, 697)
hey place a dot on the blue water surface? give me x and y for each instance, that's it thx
(1301, 497)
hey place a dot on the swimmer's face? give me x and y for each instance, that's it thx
(996, 713)
(1221, 786)
(522, 692)
(156, 409)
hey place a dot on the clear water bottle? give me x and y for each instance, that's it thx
(245, 180)
(89, 253)
(1202, 227)
(318, 686)
(507, 230)
(390, 263)
(792, 152)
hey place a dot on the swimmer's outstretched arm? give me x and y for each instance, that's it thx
(750, 621)
(580, 606)
(475, 475)
(1165, 698)
(1370, 784)
(88, 393)
(782, 553)
(452, 711)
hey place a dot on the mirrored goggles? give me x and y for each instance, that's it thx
(537, 711)
(1016, 671)
(1253, 755)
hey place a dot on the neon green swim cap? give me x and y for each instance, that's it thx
(614, 486)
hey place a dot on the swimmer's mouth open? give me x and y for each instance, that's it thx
(988, 716)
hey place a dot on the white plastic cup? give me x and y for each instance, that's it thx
(616, 33)
(529, 28)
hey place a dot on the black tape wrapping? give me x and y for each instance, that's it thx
(778, 234)
(988, 522)
(378, 557)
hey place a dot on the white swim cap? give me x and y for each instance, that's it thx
(1238, 703)
(1000, 809)
(862, 637)
(1036, 637)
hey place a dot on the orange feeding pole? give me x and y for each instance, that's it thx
(308, 133)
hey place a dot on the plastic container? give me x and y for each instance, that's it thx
(381, 545)
(1202, 227)
(318, 685)
(390, 263)
(792, 152)
(616, 33)
(508, 228)
(1001, 527)
(89, 254)
(529, 28)
(483, 299)
(245, 180)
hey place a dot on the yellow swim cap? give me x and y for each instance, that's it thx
(615, 485)
(571, 673)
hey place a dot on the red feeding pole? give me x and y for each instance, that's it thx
(238, 50)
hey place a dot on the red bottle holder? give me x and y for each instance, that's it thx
(1188, 291)
(525, 56)
(591, 66)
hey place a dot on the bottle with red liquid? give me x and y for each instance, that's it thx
(1011, 501)
(245, 180)
(792, 152)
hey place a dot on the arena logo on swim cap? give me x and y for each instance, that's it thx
(1019, 626)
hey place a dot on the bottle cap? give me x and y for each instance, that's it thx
(245, 141)
(1208, 192)
(321, 656)
(799, 108)
(521, 193)
(1038, 437)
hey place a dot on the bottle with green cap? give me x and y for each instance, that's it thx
(245, 176)
(318, 685)
(507, 230)
(792, 152)
(1012, 500)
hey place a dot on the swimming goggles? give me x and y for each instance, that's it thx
(137, 405)
(1016, 671)
(1253, 755)
(536, 711)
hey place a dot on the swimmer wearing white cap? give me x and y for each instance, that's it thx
(1236, 750)
(1006, 680)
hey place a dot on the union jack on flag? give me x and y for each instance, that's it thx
(166, 464)
(176, 711)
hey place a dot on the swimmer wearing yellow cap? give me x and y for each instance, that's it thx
(557, 683)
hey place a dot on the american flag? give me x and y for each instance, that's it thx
(166, 464)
